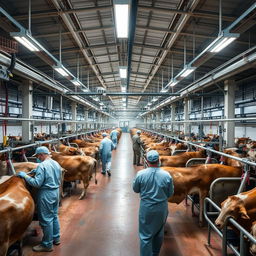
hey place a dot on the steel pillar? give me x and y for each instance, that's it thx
(229, 112)
(27, 103)
(74, 116)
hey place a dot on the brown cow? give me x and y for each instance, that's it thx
(22, 166)
(242, 208)
(198, 179)
(16, 212)
(77, 168)
(181, 159)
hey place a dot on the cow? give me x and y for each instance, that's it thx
(198, 179)
(77, 168)
(242, 208)
(66, 150)
(22, 166)
(181, 159)
(16, 211)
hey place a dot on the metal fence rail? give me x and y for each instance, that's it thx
(244, 234)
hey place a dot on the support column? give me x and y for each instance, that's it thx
(229, 112)
(94, 120)
(173, 109)
(158, 115)
(186, 115)
(27, 103)
(74, 116)
(86, 112)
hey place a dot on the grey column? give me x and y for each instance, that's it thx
(158, 115)
(173, 109)
(86, 112)
(74, 116)
(186, 115)
(229, 112)
(27, 103)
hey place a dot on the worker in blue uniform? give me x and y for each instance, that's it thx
(113, 137)
(155, 187)
(106, 147)
(47, 179)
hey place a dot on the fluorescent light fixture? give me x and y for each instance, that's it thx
(61, 71)
(224, 42)
(172, 82)
(154, 99)
(165, 89)
(149, 104)
(101, 103)
(123, 89)
(123, 99)
(121, 10)
(186, 71)
(24, 41)
(96, 99)
(76, 82)
(123, 72)
(124, 104)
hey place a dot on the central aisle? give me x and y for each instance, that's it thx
(105, 222)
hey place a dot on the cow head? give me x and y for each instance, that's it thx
(253, 232)
(233, 207)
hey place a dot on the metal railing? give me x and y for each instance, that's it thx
(244, 234)
(9, 150)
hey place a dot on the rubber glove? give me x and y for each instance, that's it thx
(21, 174)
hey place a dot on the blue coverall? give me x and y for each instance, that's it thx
(47, 179)
(106, 147)
(113, 137)
(155, 187)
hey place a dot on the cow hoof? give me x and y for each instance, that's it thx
(82, 196)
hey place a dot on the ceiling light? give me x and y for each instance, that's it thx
(61, 70)
(121, 10)
(186, 71)
(24, 41)
(101, 103)
(123, 89)
(172, 82)
(76, 82)
(124, 104)
(96, 99)
(224, 42)
(165, 89)
(123, 72)
(123, 99)
(149, 104)
(154, 99)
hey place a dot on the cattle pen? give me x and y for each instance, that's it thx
(127, 128)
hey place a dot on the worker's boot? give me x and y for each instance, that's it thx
(41, 248)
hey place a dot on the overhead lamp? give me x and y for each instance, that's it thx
(172, 82)
(123, 99)
(60, 69)
(123, 89)
(165, 89)
(76, 82)
(101, 103)
(24, 37)
(121, 10)
(154, 99)
(123, 72)
(186, 71)
(124, 104)
(149, 104)
(96, 99)
(222, 41)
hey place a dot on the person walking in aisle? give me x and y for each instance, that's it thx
(155, 187)
(113, 136)
(136, 148)
(106, 147)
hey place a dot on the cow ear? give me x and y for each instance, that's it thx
(244, 214)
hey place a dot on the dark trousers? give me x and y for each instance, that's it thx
(136, 157)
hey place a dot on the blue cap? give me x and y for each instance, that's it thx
(104, 134)
(42, 150)
(139, 131)
(152, 156)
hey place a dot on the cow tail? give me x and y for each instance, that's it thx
(95, 170)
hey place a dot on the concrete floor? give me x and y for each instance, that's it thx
(105, 223)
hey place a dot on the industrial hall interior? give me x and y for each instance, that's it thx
(128, 127)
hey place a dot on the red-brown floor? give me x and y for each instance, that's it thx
(105, 222)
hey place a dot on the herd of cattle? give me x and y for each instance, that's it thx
(79, 162)
(16, 203)
(198, 178)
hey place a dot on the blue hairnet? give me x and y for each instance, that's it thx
(152, 156)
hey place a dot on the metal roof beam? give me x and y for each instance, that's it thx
(199, 14)
(46, 14)
(92, 29)
(122, 94)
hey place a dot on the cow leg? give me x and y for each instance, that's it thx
(3, 248)
(86, 184)
(202, 196)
